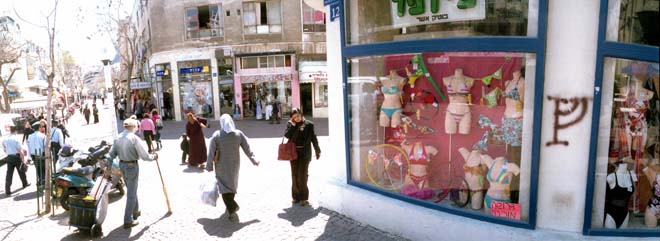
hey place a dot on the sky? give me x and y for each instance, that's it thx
(76, 26)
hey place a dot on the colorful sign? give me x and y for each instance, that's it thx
(162, 73)
(418, 12)
(505, 210)
(335, 11)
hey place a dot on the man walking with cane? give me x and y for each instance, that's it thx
(129, 148)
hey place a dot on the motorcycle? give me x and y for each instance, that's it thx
(71, 179)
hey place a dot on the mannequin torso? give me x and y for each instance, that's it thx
(419, 157)
(500, 173)
(652, 213)
(514, 93)
(458, 110)
(474, 175)
(391, 88)
(619, 190)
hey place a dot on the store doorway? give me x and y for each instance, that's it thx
(306, 98)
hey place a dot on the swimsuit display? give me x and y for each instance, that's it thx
(616, 200)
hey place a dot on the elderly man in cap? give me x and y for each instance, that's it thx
(129, 148)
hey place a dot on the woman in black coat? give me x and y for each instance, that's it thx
(301, 131)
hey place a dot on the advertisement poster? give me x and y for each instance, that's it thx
(419, 12)
(197, 97)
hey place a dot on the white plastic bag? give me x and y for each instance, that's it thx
(210, 192)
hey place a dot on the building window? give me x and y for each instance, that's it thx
(321, 95)
(204, 21)
(627, 180)
(313, 20)
(262, 62)
(262, 17)
(449, 128)
(636, 21)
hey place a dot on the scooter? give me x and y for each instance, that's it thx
(78, 180)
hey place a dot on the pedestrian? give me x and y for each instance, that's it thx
(86, 112)
(128, 147)
(158, 121)
(148, 129)
(301, 131)
(27, 131)
(36, 143)
(56, 140)
(65, 132)
(14, 159)
(103, 99)
(96, 113)
(94, 99)
(225, 156)
(185, 145)
(197, 149)
(276, 111)
(121, 109)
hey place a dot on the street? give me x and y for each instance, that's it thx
(264, 196)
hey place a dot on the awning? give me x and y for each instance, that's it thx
(311, 72)
(28, 105)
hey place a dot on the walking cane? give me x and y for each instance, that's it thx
(167, 199)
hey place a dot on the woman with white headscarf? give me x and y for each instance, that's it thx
(225, 157)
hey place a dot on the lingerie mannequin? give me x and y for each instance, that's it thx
(458, 110)
(419, 155)
(474, 175)
(390, 110)
(512, 123)
(500, 172)
(620, 188)
(652, 213)
(637, 98)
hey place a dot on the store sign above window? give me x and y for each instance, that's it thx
(140, 85)
(418, 12)
(200, 69)
(162, 73)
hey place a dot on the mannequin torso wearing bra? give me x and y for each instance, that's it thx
(419, 156)
(390, 110)
(458, 88)
(652, 213)
(513, 97)
(500, 172)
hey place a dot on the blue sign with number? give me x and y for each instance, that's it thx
(160, 73)
(328, 2)
(335, 11)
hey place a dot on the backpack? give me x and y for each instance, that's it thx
(159, 122)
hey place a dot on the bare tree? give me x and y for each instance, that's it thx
(10, 52)
(50, 27)
(118, 25)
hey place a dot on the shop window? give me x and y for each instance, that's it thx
(321, 95)
(450, 128)
(627, 180)
(262, 17)
(204, 21)
(313, 20)
(383, 21)
(633, 21)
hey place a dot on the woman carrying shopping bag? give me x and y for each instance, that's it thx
(301, 131)
(225, 157)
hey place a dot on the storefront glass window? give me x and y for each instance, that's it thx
(321, 94)
(633, 21)
(394, 20)
(226, 96)
(449, 128)
(164, 84)
(627, 180)
(195, 88)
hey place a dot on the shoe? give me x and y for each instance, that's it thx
(136, 215)
(131, 224)
(295, 201)
(27, 185)
(7, 194)
(304, 203)
(201, 166)
(233, 217)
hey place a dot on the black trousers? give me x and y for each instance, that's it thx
(121, 114)
(184, 156)
(39, 163)
(54, 150)
(148, 137)
(299, 173)
(230, 203)
(14, 162)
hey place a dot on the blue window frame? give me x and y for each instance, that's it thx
(606, 50)
(521, 44)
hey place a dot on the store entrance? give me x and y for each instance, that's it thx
(306, 98)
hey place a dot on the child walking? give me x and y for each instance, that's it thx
(184, 148)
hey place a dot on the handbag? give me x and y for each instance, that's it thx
(23, 167)
(287, 151)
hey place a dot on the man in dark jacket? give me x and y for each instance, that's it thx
(65, 132)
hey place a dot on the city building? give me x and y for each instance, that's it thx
(234, 57)
(495, 119)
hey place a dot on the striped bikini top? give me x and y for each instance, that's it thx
(503, 177)
(463, 89)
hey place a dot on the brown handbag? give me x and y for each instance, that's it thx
(287, 151)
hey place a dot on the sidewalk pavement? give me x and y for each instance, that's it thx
(263, 194)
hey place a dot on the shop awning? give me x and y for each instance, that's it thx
(311, 72)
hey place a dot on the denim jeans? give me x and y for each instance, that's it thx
(130, 171)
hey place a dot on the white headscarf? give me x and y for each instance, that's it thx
(227, 123)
